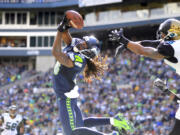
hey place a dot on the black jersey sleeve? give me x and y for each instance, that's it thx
(150, 43)
(166, 49)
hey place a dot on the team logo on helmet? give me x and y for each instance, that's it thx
(169, 30)
(13, 107)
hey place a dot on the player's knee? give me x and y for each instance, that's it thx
(79, 131)
(75, 132)
(89, 122)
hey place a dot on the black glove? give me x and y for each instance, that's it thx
(64, 25)
(161, 85)
(118, 36)
(122, 41)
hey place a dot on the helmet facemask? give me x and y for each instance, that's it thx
(91, 49)
(12, 110)
(90, 53)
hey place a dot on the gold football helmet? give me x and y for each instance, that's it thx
(169, 30)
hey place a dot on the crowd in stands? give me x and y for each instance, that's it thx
(127, 87)
(9, 73)
(13, 44)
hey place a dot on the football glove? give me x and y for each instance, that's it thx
(122, 41)
(161, 85)
(118, 36)
(64, 24)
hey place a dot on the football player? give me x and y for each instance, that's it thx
(167, 47)
(79, 55)
(11, 121)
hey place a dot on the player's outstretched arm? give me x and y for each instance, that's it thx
(63, 27)
(66, 37)
(136, 47)
(57, 51)
(145, 51)
(150, 43)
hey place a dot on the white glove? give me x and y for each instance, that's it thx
(178, 101)
(177, 116)
(160, 84)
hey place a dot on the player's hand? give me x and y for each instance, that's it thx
(161, 85)
(64, 25)
(122, 41)
(116, 35)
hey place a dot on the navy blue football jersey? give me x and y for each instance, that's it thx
(64, 77)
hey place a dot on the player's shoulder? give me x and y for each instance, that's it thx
(166, 49)
(5, 114)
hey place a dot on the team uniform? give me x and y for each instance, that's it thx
(64, 84)
(64, 77)
(66, 90)
(167, 47)
(171, 49)
(10, 125)
(175, 65)
(176, 48)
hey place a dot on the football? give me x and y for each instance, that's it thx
(76, 20)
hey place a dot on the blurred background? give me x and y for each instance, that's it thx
(27, 32)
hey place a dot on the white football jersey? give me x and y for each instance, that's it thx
(176, 66)
(10, 125)
(177, 116)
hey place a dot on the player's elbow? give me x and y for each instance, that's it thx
(22, 130)
(54, 52)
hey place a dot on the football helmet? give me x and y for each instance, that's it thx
(93, 47)
(169, 30)
(12, 110)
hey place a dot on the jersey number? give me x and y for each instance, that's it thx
(11, 126)
(78, 59)
(56, 68)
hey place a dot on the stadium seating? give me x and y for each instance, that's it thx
(118, 91)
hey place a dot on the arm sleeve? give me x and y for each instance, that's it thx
(150, 43)
(166, 49)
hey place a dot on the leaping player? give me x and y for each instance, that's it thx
(79, 55)
(167, 48)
